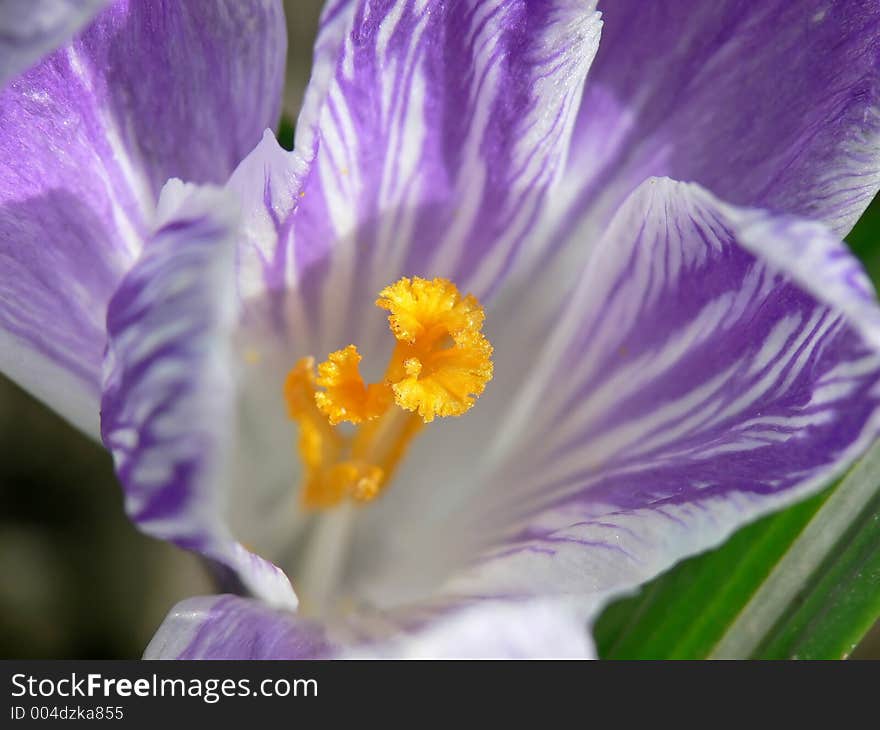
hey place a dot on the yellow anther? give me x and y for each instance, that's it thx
(319, 444)
(347, 397)
(443, 381)
(412, 367)
(420, 309)
(442, 361)
(299, 388)
(440, 365)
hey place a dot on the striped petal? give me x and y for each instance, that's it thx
(430, 146)
(773, 105)
(227, 627)
(168, 409)
(31, 28)
(148, 91)
(769, 104)
(715, 363)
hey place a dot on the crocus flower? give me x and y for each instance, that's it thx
(592, 370)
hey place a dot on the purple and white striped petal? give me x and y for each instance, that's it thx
(772, 104)
(191, 85)
(149, 91)
(168, 408)
(228, 627)
(716, 363)
(30, 29)
(430, 147)
(768, 104)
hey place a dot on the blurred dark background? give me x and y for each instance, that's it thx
(76, 579)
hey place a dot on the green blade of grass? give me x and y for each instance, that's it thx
(801, 583)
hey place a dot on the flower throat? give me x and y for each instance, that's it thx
(439, 366)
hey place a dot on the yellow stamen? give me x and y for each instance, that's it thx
(347, 397)
(425, 310)
(319, 445)
(440, 365)
(442, 361)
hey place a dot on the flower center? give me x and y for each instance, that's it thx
(439, 366)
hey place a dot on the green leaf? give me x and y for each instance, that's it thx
(801, 583)
(683, 613)
(824, 594)
(864, 240)
(286, 131)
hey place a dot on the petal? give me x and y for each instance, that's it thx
(430, 147)
(31, 28)
(702, 377)
(189, 87)
(168, 409)
(149, 91)
(59, 265)
(227, 627)
(490, 630)
(772, 104)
